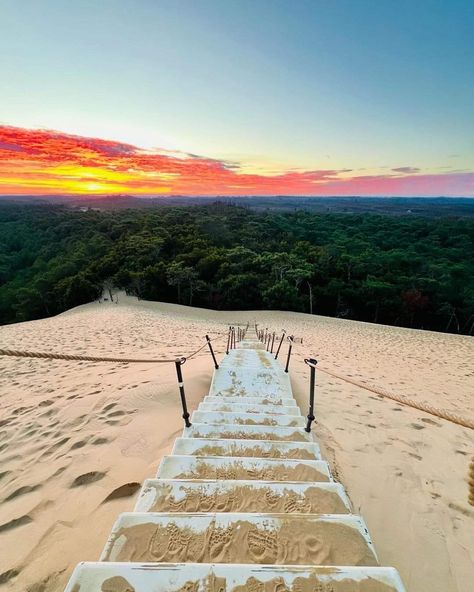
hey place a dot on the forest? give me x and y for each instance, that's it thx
(410, 272)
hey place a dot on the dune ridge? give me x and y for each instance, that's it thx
(74, 434)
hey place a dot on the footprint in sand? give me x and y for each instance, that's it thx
(15, 523)
(99, 441)
(79, 444)
(430, 421)
(116, 414)
(22, 491)
(88, 478)
(8, 575)
(125, 490)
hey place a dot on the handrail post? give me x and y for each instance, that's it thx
(290, 339)
(216, 365)
(280, 344)
(228, 342)
(273, 342)
(311, 362)
(179, 362)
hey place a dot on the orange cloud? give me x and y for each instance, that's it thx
(49, 162)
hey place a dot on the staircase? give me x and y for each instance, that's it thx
(243, 504)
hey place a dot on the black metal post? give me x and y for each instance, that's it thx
(216, 365)
(311, 362)
(179, 362)
(228, 341)
(290, 339)
(279, 345)
(273, 342)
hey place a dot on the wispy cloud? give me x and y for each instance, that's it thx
(406, 170)
(51, 162)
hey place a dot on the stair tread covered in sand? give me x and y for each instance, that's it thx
(243, 504)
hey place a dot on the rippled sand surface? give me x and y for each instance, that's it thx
(78, 438)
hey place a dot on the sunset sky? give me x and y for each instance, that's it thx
(237, 97)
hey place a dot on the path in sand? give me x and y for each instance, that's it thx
(244, 502)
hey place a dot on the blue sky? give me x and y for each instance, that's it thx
(273, 84)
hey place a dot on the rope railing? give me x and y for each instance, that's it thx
(177, 361)
(470, 481)
(402, 399)
(85, 358)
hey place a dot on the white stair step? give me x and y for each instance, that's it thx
(244, 356)
(273, 397)
(250, 344)
(230, 418)
(247, 432)
(266, 401)
(242, 468)
(171, 495)
(247, 408)
(247, 448)
(171, 577)
(247, 382)
(241, 538)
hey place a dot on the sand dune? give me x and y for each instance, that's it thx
(78, 438)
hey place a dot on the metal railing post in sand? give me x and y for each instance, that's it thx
(179, 362)
(311, 362)
(216, 365)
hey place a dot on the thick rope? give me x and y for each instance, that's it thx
(422, 406)
(470, 481)
(54, 356)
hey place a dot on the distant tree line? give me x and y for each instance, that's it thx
(411, 272)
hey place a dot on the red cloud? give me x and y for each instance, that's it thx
(50, 162)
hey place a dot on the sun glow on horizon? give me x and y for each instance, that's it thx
(51, 162)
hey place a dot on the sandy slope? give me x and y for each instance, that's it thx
(72, 434)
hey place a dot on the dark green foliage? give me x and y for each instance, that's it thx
(412, 272)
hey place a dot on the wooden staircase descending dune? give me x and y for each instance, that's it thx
(243, 504)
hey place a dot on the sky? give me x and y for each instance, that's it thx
(237, 97)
